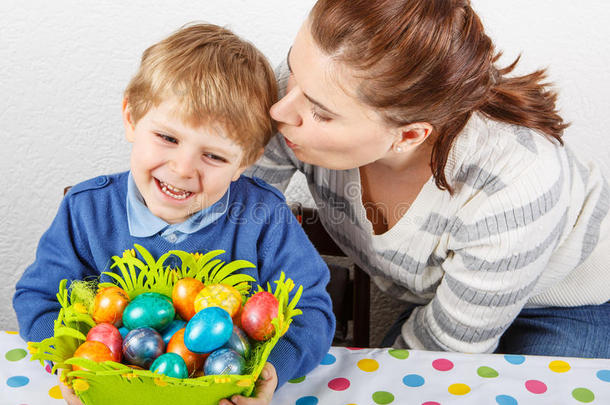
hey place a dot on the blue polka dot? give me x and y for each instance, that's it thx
(307, 401)
(413, 380)
(506, 400)
(514, 358)
(604, 375)
(17, 381)
(328, 359)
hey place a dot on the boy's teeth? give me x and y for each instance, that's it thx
(174, 192)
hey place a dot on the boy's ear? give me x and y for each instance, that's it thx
(239, 171)
(128, 122)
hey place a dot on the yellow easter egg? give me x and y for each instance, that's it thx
(219, 295)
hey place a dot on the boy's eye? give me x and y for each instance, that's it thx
(168, 138)
(214, 157)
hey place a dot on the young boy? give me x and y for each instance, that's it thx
(197, 115)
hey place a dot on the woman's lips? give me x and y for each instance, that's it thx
(290, 144)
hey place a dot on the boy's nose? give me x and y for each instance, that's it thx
(286, 109)
(183, 165)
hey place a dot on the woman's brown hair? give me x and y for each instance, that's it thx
(430, 61)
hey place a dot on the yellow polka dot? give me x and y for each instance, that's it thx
(12, 332)
(559, 366)
(80, 385)
(368, 365)
(55, 393)
(160, 382)
(459, 389)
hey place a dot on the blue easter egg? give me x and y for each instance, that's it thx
(208, 330)
(172, 328)
(142, 346)
(224, 361)
(123, 331)
(149, 310)
(239, 342)
(171, 365)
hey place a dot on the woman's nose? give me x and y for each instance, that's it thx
(285, 111)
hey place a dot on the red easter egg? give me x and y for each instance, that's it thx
(109, 304)
(183, 295)
(257, 314)
(109, 335)
(92, 350)
(194, 361)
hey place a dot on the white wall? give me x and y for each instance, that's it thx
(64, 64)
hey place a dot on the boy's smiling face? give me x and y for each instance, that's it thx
(180, 169)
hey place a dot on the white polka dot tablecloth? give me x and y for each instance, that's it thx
(24, 382)
(378, 376)
(405, 377)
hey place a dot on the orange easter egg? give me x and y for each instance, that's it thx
(109, 304)
(219, 295)
(92, 350)
(183, 295)
(194, 361)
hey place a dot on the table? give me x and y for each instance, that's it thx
(378, 376)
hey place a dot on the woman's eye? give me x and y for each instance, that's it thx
(318, 117)
(168, 138)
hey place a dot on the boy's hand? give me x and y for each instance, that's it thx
(265, 387)
(69, 395)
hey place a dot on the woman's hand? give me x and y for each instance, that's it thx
(68, 394)
(265, 387)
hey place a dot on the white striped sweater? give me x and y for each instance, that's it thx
(527, 226)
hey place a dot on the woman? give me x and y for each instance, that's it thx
(445, 179)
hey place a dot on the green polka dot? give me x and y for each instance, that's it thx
(583, 395)
(487, 372)
(383, 397)
(15, 354)
(297, 380)
(399, 353)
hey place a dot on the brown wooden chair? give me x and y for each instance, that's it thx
(350, 295)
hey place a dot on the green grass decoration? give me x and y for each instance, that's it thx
(111, 382)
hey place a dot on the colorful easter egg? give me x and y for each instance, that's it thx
(208, 330)
(224, 361)
(149, 310)
(183, 296)
(256, 317)
(171, 365)
(194, 361)
(109, 304)
(142, 346)
(123, 331)
(172, 328)
(109, 335)
(219, 295)
(92, 350)
(239, 342)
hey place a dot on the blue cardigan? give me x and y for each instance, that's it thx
(91, 226)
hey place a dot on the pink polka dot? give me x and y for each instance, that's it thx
(442, 365)
(354, 348)
(339, 384)
(48, 369)
(431, 403)
(535, 386)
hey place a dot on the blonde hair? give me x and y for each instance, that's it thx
(217, 79)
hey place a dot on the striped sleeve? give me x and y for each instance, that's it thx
(497, 252)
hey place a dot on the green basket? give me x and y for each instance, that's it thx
(111, 382)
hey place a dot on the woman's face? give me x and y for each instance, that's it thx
(320, 118)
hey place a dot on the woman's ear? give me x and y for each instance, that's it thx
(128, 122)
(411, 135)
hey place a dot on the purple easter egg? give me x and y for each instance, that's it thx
(142, 346)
